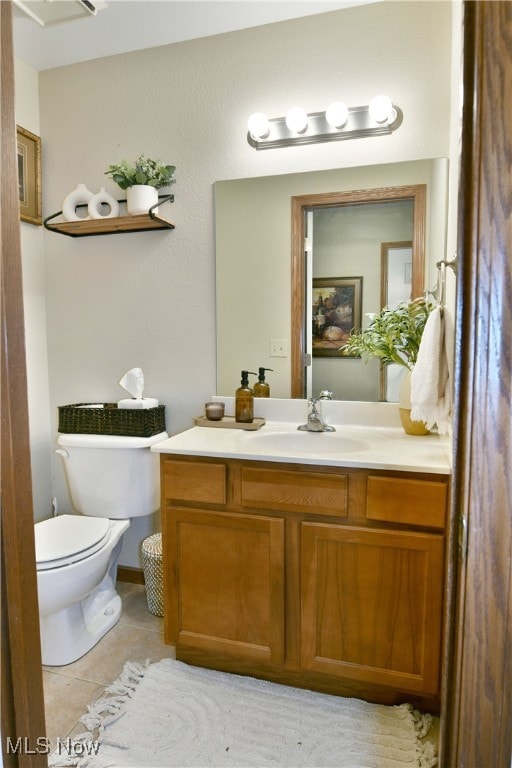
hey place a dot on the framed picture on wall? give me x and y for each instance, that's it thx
(29, 175)
(336, 309)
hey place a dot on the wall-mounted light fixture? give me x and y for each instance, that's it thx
(338, 121)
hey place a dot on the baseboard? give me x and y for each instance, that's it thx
(132, 575)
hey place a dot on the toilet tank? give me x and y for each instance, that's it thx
(111, 475)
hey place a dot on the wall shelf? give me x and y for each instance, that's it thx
(119, 224)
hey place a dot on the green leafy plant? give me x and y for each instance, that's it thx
(144, 171)
(393, 335)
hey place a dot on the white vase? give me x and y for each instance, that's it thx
(100, 199)
(140, 198)
(79, 196)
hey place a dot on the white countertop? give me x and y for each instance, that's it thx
(385, 446)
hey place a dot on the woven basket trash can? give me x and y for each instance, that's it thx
(151, 555)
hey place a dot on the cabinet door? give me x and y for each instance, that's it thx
(225, 584)
(371, 605)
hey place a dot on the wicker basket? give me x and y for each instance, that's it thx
(108, 419)
(151, 555)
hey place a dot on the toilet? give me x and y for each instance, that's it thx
(111, 479)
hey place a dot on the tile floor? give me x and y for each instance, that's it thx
(137, 636)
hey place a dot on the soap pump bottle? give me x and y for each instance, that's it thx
(244, 400)
(262, 388)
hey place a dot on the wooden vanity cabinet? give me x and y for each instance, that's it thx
(322, 577)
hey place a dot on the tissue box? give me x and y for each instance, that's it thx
(108, 419)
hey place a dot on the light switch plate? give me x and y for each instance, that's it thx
(278, 348)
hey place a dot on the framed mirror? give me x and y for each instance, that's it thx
(253, 220)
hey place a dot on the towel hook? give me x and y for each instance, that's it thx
(445, 263)
(442, 266)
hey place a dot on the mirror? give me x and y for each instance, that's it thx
(350, 231)
(254, 265)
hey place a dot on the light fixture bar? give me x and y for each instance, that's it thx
(359, 124)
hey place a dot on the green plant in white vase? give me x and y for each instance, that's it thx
(141, 180)
(394, 336)
(143, 171)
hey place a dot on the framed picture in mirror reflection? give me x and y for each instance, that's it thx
(336, 313)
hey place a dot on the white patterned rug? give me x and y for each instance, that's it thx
(172, 715)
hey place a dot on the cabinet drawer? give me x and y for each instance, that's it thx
(194, 481)
(288, 491)
(411, 502)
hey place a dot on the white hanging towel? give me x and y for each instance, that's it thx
(430, 380)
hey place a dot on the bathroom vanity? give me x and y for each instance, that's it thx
(308, 565)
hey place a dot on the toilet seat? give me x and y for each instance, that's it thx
(68, 539)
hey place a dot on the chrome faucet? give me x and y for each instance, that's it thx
(315, 422)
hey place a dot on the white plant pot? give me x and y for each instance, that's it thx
(140, 198)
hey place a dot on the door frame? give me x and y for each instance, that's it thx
(476, 727)
(22, 676)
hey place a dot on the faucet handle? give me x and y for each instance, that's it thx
(326, 394)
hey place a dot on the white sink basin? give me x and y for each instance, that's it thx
(352, 445)
(304, 442)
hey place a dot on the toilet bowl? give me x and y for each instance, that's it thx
(78, 602)
(111, 479)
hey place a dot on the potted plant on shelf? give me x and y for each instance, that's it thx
(394, 336)
(141, 180)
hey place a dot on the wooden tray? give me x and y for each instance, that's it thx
(228, 422)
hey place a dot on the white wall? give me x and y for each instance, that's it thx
(33, 268)
(149, 299)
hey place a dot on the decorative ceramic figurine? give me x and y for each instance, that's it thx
(79, 196)
(100, 199)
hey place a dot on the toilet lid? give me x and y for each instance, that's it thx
(68, 538)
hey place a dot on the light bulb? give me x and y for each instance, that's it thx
(381, 109)
(258, 125)
(297, 120)
(337, 114)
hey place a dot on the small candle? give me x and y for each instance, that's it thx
(214, 411)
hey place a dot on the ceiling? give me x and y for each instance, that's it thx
(130, 25)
